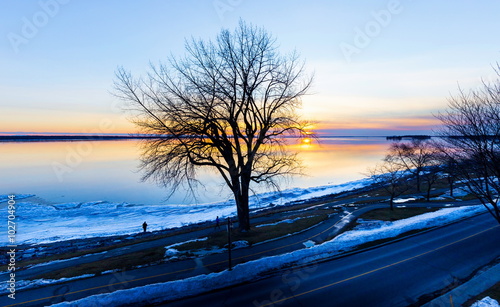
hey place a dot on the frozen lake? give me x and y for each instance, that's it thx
(108, 170)
(93, 188)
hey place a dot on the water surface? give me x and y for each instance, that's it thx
(108, 170)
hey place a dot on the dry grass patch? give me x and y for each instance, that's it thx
(387, 214)
(255, 235)
(154, 255)
(82, 252)
(123, 262)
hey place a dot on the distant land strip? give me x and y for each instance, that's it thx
(408, 137)
(97, 137)
(48, 138)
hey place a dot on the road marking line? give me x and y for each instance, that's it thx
(378, 269)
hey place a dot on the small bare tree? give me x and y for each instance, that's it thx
(471, 140)
(431, 174)
(447, 165)
(391, 177)
(227, 105)
(415, 156)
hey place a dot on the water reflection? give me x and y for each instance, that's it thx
(108, 170)
(337, 160)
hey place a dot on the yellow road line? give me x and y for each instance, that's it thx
(378, 269)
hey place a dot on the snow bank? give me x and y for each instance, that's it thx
(486, 302)
(393, 229)
(74, 220)
(369, 224)
(253, 269)
(404, 200)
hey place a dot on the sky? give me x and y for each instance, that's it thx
(381, 67)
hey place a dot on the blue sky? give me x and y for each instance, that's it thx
(380, 66)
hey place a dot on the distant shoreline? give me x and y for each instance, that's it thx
(59, 138)
(73, 138)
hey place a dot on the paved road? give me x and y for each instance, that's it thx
(396, 274)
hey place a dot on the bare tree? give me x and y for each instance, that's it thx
(431, 174)
(471, 139)
(391, 177)
(447, 165)
(227, 105)
(415, 156)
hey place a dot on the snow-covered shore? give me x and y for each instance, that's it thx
(44, 223)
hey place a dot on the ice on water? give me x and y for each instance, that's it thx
(41, 222)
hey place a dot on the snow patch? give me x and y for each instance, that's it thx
(309, 243)
(240, 244)
(289, 221)
(403, 200)
(486, 302)
(171, 252)
(185, 242)
(457, 192)
(369, 224)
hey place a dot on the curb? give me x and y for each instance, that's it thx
(475, 286)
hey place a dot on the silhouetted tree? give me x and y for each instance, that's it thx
(391, 177)
(415, 156)
(431, 174)
(227, 105)
(448, 166)
(471, 139)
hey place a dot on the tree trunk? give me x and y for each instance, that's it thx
(418, 179)
(241, 198)
(497, 213)
(391, 203)
(451, 181)
(243, 214)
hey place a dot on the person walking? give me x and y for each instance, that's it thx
(144, 226)
(217, 223)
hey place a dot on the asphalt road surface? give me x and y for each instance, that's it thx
(397, 274)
